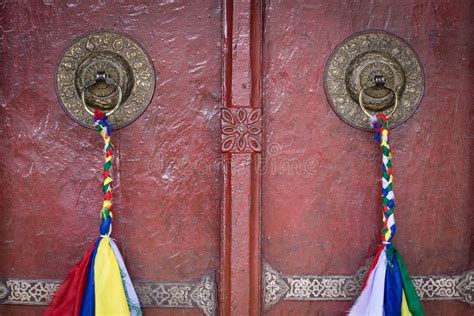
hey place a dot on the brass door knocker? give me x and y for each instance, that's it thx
(108, 71)
(370, 73)
(379, 84)
(104, 82)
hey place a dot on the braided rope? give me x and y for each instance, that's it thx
(106, 216)
(380, 124)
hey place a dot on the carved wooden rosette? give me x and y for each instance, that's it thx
(241, 130)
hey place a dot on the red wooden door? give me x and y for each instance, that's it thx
(321, 200)
(239, 178)
(167, 195)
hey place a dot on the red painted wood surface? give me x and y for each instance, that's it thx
(178, 213)
(323, 216)
(167, 194)
(240, 286)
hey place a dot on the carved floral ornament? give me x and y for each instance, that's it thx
(241, 130)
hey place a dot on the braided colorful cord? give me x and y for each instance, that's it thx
(388, 289)
(100, 283)
(380, 125)
(106, 216)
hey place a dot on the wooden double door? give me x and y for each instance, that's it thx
(239, 191)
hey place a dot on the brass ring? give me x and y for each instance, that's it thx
(361, 103)
(119, 101)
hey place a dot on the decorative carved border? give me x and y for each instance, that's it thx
(278, 287)
(201, 294)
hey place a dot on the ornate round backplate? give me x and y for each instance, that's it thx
(118, 56)
(355, 63)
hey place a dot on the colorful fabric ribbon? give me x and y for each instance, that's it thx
(99, 284)
(388, 289)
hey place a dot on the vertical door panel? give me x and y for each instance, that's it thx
(166, 163)
(321, 213)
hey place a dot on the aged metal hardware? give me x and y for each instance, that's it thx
(278, 287)
(105, 70)
(372, 72)
(101, 82)
(199, 294)
(381, 92)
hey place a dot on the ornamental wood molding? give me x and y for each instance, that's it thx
(241, 135)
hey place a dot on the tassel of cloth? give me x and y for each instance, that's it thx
(100, 283)
(388, 289)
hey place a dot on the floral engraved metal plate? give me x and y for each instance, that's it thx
(200, 295)
(355, 65)
(115, 55)
(278, 287)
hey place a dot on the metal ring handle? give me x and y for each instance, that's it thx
(108, 80)
(361, 103)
